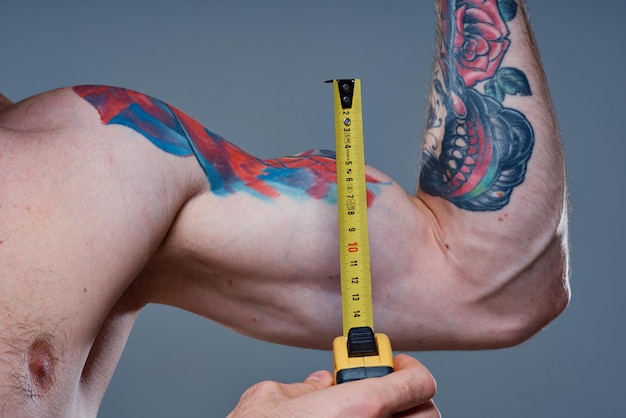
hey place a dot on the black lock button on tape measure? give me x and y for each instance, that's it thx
(359, 353)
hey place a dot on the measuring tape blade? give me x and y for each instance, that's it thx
(359, 353)
(356, 291)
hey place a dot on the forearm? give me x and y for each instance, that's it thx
(492, 165)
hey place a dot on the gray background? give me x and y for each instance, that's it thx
(253, 71)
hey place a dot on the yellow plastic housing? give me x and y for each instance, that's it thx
(361, 367)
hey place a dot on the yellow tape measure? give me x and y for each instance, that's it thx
(359, 353)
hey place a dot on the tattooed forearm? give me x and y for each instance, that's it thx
(228, 168)
(476, 149)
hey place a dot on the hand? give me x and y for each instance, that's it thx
(407, 392)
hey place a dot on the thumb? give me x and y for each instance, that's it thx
(323, 376)
(315, 381)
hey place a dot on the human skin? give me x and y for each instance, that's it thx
(109, 205)
(407, 392)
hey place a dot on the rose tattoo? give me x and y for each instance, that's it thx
(477, 150)
(480, 40)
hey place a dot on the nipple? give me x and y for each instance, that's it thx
(41, 365)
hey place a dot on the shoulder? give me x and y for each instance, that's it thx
(82, 205)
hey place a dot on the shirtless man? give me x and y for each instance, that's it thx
(110, 200)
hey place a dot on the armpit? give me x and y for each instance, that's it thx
(4, 102)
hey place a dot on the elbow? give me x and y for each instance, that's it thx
(540, 291)
(524, 322)
(533, 299)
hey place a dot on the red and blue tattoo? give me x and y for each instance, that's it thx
(228, 168)
(476, 149)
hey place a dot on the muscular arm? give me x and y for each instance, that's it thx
(477, 259)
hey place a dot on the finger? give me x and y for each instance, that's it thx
(409, 386)
(270, 394)
(403, 361)
(426, 410)
(272, 391)
(316, 381)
